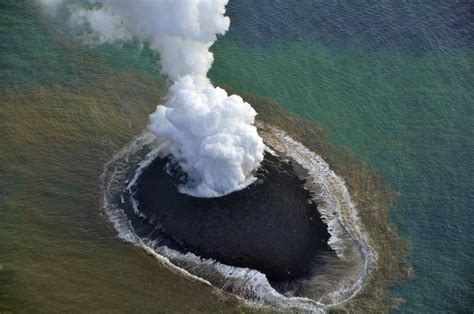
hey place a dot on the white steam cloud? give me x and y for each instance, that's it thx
(211, 134)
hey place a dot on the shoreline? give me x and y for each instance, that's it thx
(250, 285)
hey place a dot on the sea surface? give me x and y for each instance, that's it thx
(391, 80)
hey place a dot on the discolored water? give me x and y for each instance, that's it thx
(392, 81)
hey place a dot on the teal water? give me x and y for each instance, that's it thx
(393, 81)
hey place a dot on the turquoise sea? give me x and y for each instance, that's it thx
(394, 82)
(391, 80)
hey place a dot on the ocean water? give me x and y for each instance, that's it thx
(391, 80)
(65, 110)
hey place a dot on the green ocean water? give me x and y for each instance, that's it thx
(393, 81)
(399, 95)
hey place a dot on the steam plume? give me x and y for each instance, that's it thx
(211, 134)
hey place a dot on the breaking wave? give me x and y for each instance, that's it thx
(340, 279)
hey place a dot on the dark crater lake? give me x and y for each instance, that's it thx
(270, 226)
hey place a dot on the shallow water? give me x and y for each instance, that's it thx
(392, 81)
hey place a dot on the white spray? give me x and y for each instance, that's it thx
(211, 134)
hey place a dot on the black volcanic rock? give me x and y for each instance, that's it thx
(269, 226)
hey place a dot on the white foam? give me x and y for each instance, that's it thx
(336, 208)
(347, 236)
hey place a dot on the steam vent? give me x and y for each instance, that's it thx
(269, 226)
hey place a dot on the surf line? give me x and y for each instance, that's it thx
(341, 213)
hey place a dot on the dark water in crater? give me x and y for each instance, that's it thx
(269, 226)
